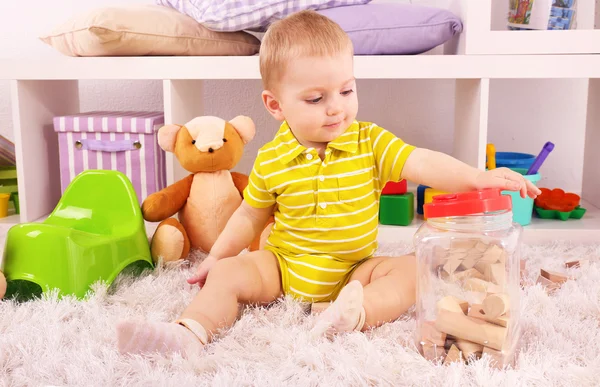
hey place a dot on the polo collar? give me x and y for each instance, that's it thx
(290, 147)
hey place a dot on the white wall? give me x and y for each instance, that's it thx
(523, 114)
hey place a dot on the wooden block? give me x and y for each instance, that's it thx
(478, 285)
(495, 273)
(451, 265)
(497, 357)
(482, 267)
(433, 352)
(471, 259)
(470, 328)
(454, 355)
(450, 341)
(550, 286)
(481, 246)
(477, 311)
(580, 263)
(554, 276)
(469, 348)
(493, 254)
(453, 304)
(463, 244)
(432, 335)
(496, 305)
(470, 273)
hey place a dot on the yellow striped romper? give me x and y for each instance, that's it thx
(327, 211)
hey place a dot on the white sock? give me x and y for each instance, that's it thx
(165, 338)
(345, 314)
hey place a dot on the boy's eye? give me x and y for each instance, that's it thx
(347, 92)
(316, 100)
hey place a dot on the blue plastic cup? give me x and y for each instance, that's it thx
(514, 160)
(522, 208)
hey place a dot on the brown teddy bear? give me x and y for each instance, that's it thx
(208, 147)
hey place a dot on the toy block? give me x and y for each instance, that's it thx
(454, 355)
(495, 273)
(469, 348)
(433, 352)
(462, 245)
(472, 259)
(493, 254)
(479, 285)
(450, 341)
(421, 198)
(451, 265)
(554, 276)
(550, 286)
(496, 305)
(395, 188)
(429, 194)
(397, 210)
(432, 335)
(477, 311)
(579, 264)
(453, 304)
(471, 273)
(470, 328)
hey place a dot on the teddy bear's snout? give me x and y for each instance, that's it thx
(209, 146)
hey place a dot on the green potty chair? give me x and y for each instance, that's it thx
(94, 233)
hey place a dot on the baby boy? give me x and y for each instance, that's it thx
(321, 178)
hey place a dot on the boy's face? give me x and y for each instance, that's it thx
(317, 97)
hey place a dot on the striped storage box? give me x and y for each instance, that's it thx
(123, 141)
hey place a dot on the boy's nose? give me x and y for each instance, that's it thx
(334, 109)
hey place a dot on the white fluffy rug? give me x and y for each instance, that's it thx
(72, 343)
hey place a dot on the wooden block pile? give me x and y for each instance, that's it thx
(464, 332)
(477, 266)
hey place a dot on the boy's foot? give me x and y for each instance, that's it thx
(345, 314)
(185, 336)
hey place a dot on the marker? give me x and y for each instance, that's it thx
(539, 160)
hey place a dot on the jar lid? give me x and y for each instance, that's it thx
(467, 203)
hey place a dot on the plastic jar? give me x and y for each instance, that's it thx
(468, 278)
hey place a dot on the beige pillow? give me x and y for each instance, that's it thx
(145, 30)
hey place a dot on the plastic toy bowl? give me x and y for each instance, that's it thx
(514, 160)
(522, 208)
(577, 213)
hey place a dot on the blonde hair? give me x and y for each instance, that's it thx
(303, 33)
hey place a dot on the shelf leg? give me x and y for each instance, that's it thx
(471, 121)
(591, 160)
(183, 100)
(35, 104)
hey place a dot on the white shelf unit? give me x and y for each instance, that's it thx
(41, 91)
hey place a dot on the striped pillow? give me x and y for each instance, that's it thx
(256, 15)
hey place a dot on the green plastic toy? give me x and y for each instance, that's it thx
(397, 210)
(577, 213)
(94, 233)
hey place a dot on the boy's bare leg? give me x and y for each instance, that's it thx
(250, 278)
(384, 287)
(389, 288)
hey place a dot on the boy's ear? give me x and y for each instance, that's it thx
(272, 105)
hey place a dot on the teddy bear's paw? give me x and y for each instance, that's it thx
(170, 241)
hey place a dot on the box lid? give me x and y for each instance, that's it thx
(106, 121)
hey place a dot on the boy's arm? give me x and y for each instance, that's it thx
(443, 172)
(241, 229)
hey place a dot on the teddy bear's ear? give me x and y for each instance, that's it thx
(167, 135)
(245, 127)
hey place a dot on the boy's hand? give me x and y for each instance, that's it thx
(506, 179)
(202, 272)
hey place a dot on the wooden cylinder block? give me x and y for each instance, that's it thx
(471, 329)
(496, 305)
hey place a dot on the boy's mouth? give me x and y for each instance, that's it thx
(333, 126)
